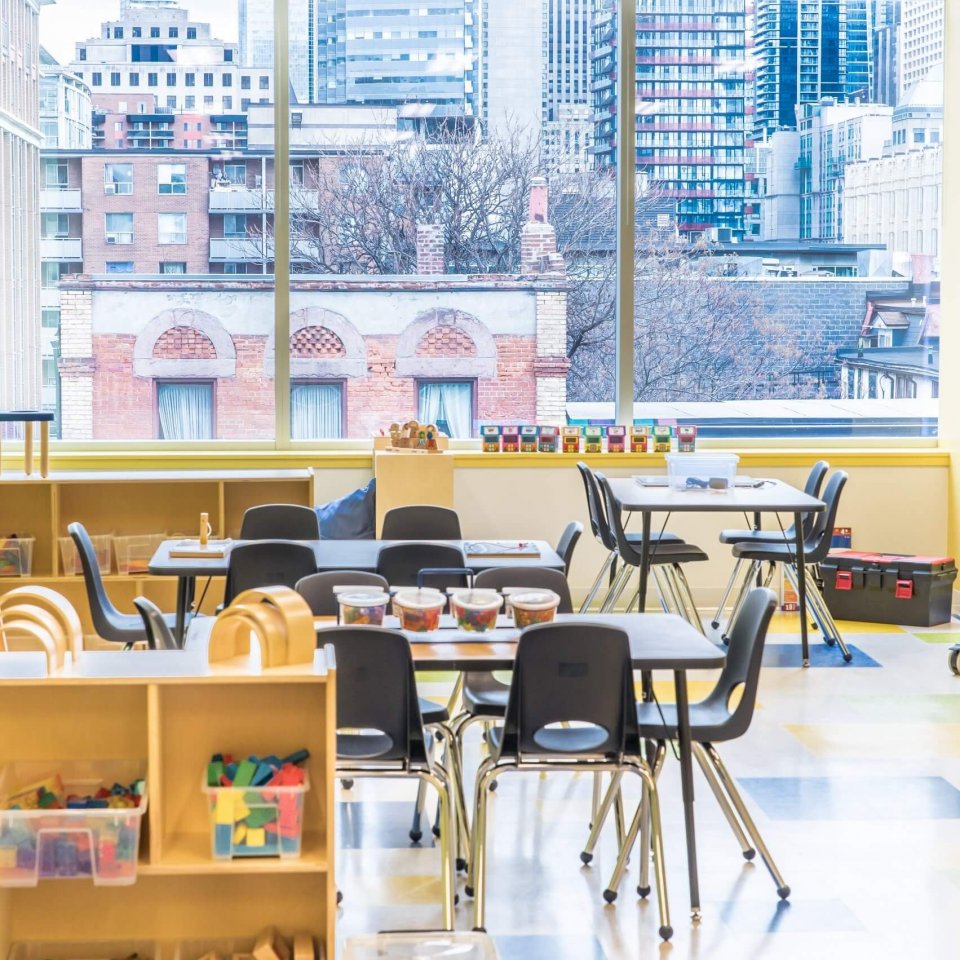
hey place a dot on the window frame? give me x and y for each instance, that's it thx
(186, 228)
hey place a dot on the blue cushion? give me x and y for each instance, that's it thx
(352, 517)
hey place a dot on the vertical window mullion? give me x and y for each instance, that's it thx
(281, 222)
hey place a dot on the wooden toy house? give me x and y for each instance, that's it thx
(571, 439)
(639, 439)
(510, 439)
(686, 439)
(593, 437)
(616, 439)
(549, 439)
(661, 439)
(528, 439)
(490, 438)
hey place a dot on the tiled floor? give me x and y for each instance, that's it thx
(852, 773)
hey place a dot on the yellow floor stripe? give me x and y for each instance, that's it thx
(880, 741)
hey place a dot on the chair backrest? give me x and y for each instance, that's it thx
(598, 520)
(535, 578)
(280, 521)
(817, 544)
(741, 670)
(421, 522)
(267, 563)
(317, 589)
(376, 688)
(400, 563)
(614, 520)
(568, 542)
(571, 672)
(812, 489)
(159, 635)
(107, 619)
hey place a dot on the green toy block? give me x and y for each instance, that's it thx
(245, 773)
(259, 816)
(214, 772)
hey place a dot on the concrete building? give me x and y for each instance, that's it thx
(778, 185)
(886, 52)
(691, 111)
(921, 39)
(154, 48)
(20, 138)
(255, 22)
(65, 108)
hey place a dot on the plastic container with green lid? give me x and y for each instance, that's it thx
(476, 610)
(534, 606)
(361, 609)
(419, 610)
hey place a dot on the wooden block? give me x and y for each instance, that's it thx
(212, 955)
(270, 946)
(303, 947)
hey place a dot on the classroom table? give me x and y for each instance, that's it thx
(330, 555)
(28, 418)
(658, 641)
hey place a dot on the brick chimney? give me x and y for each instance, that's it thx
(430, 257)
(538, 239)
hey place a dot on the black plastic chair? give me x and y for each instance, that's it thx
(317, 589)
(604, 535)
(674, 590)
(571, 708)
(267, 563)
(380, 732)
(713, 720)
(280, 521)
(812, 489)
(400, 564)
(816, 546)
(532, 578)
(108, 621)
(568, 543)
(421, 522)
(159, 634)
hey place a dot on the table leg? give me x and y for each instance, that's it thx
(44, 448)
(28, 448)
(184, 601)
(758, 525)
(686, 783)
(802, 590)
(644, 562)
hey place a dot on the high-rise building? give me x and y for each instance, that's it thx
(65, 110)
(399, 52)
(886, 33)
(690, 123)
(807, 50)
(19, 212)
(921, 39)
(255, 22)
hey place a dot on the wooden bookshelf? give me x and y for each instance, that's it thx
(173, 726)
(124, 503)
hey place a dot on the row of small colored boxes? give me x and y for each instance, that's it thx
(256, 805)
(531, 439)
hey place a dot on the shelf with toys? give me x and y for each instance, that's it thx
(593, 439)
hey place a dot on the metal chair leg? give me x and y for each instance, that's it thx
(728, 783)
(598, 583)
(745, 585)
(616, 589)
(595, 798)
(708, 772)
(715, 622)
(478, 866)
(689, 601)
(818, 609)
(613, 791)
(448, 883)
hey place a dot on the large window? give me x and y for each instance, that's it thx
(171, 228)
(316, 411)
(118, 178)
(184, 411)
(448, 405)
(118, 228)
(172, 178)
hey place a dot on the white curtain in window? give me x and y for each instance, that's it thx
(316, 411)
(186, 411)
(449, 406)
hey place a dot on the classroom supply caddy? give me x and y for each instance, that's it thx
(888, 588)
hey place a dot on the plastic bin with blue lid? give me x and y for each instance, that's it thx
(421, 945)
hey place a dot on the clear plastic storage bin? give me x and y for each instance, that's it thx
(71, 556)
(256, 821)
(702, 471)
(134, 552)
(421, 946)
(42, 844)
(16, 556)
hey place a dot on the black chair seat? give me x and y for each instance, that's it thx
(554, 740)
(706, 721)
(781, 552)
(484, 695)
(364, 746)
(672, 553)
(432, 712)
(755, 536)
(665, 537)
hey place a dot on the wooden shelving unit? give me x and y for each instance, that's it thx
(173, 726)
(123, 503)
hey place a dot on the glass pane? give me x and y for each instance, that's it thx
(155, 341)
(448, 406)
(316, 411)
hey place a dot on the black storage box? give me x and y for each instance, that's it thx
(888, 588)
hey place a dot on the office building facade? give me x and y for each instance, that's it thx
(921, 39)
(255, 24)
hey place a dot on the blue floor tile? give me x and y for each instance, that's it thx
(785, 916)
(571, 947)
(855, 798)
(789, 655)
(380, 824)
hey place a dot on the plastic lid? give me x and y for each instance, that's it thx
(420, 599)
(375, 599)
(535, 600)
(477, 599)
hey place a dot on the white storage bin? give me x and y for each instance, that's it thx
(71, 556)
(421, 946)
(16, 556)
(702, 471)
(134, 552)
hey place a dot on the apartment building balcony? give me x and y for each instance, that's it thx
(61, 200)
(61, 248)
(254, 249)
(49, 297)
(240, 199)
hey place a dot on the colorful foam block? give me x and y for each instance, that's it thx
(214, 773)
(244, 774)
(257, 837)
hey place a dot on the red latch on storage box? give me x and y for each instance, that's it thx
(844, 580)
(904, 590)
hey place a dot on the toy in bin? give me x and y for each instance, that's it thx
(616, 439)
(549, 439)
(528, 439)
(571, 439)
(639, 438)
(490, 438)
(593, 439)
(510, 438)
(662, 435)
(686, 439)
(256, 804)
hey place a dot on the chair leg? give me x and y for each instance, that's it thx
(604, 574)
(715, 622)
(616, 589)
(447, 843)
(595, 798)
(742, 593)
(708, 772)
(613, 791)
(728, 783)
(689, 602)
(416, 827)
(642, 816)
(478, 864)
(659, 864)
(818, 609)
(453, 764)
